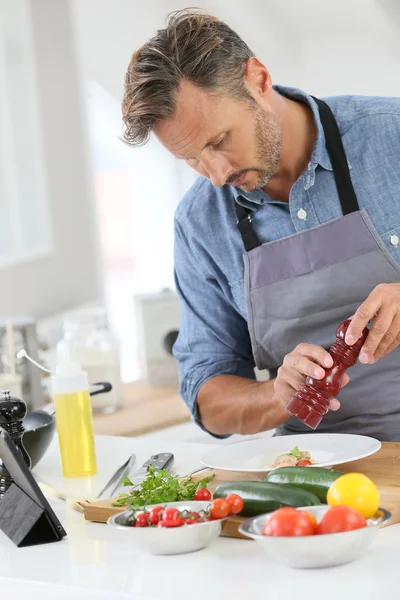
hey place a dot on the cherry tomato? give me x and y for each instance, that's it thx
(192, 517)
(220, 508)
(161, 524)
(341, 518)
(202, 494)
(142, 520)
(304, 463)
(288, 521)
(190, 520)
(155, 514)
(312, 519)
(236, 503)
(171, 517)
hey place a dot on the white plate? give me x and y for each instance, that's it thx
(327, 449)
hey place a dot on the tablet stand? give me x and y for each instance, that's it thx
(22, 519)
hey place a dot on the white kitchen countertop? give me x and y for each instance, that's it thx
(95, 561)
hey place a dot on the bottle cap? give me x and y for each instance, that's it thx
(69, 378)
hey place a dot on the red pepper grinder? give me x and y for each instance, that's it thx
(311, 402)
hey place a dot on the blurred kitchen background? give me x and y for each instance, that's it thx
(86, 241)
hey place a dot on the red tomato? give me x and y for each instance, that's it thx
(202, 494)
(312, 519)
(193, 517)
(190, 520)
(142, 520)
(236, 503)
(304, 463)
(160, 524)
(155, 514)
(288, 521)
(340, 518)
(220, 508)
(171, 517)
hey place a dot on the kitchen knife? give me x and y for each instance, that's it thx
(159, 461)
(112, 485)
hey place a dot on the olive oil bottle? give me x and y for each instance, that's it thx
(74, 420)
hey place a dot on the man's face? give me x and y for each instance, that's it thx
(224, 139)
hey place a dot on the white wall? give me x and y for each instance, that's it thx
(329, 46)
(69, 274)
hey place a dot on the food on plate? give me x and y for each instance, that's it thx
(261, 496)
(340, 518)
(160, 486)
(355, 490)
(294, 457)
(289, 521)
(161, 516)
(316, 480)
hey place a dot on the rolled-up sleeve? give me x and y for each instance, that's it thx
(213, 337)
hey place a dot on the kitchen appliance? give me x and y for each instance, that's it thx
(25, 336)
(158, 321)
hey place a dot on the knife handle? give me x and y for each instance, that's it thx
(160, 461)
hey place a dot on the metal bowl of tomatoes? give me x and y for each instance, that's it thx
(303, 539)
(170, 528)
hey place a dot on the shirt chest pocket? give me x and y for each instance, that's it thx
(391, 239)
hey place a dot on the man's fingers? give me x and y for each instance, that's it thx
(389, 341)
(334, 404)
(381, 332)
(314, 352)
(362, 316)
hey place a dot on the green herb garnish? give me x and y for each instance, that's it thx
(295, 452)
(160, 487)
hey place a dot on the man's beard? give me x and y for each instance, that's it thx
(269, 145)
(268, 151)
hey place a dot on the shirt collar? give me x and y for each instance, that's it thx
(319, 155)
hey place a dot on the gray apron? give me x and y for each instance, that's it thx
(301, 287)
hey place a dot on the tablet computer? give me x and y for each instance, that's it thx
(23, 478)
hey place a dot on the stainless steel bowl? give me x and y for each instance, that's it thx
(173, 540)
(315, 551)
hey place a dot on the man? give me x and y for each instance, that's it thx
(292, 227)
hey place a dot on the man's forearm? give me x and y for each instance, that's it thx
(232, 404)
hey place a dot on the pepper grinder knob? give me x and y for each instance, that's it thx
(12, 413)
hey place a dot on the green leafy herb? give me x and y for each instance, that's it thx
(296, 452)
(160, 487)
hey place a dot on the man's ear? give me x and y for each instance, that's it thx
(257, 79)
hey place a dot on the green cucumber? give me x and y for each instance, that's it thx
(261, 497)
(313, 479)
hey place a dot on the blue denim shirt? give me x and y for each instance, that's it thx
(209, 270)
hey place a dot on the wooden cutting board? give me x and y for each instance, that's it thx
(383, 468)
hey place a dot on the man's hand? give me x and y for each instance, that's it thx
(382, 307)
(306, 360)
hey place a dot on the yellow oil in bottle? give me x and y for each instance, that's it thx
(75, 433)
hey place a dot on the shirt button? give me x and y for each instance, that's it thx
(394, 240)
(301, 213)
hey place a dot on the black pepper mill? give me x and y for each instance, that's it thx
(12, 414)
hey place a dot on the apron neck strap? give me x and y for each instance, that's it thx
(334, 146)
(249, 236)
